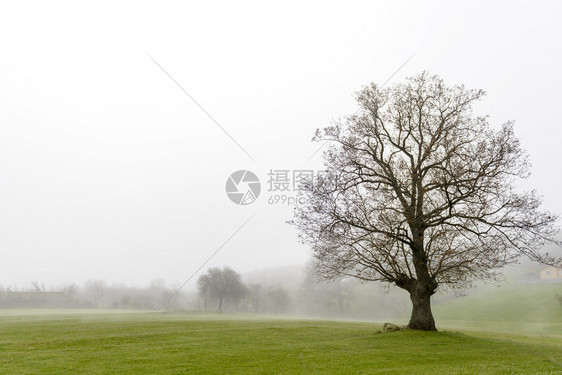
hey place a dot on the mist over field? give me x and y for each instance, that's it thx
(520, 301)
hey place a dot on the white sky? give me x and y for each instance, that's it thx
(108, 170)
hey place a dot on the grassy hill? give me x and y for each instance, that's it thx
(528, 308)
(152, 343)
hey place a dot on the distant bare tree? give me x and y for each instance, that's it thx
(71, 291)
(280, 300)
(328, 293)
(38, 288)
(221, 283)
(96, 289)
(420, 193)
(256, 295)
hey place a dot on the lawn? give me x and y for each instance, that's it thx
(158, 343)
(529, 309)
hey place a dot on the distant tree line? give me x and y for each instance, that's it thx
(290, 290)
(92, 294)
(222, 288)
(294, 291)
(39, 297)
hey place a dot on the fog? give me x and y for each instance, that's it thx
(521, 302)
(120, 123)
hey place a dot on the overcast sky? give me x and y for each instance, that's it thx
(109, 170)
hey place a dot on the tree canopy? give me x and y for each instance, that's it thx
(221, 284)
(421, 193)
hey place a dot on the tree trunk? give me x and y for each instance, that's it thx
(421, 318)
(220, 304)
(422, 288)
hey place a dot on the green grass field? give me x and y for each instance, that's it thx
(528, 309)
(55, 342)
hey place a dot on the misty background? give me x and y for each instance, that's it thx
(109, 172)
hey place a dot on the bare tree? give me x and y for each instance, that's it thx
(280, 300)
(221, 283)
(256, 295)
(71, 291)
(38, 288)
(96, 289)
(420, 193)
(204, 284)
(328, 293)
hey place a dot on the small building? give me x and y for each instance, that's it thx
(550, 273)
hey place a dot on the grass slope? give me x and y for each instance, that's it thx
(150, 343)
(527, 308)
